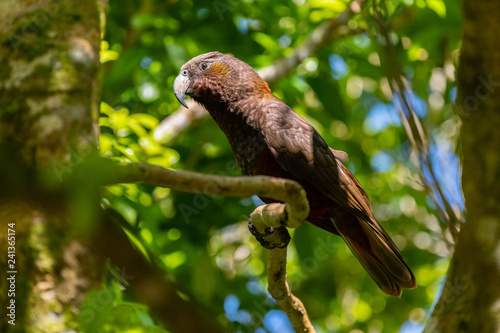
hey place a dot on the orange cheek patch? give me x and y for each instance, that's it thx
(219, 68)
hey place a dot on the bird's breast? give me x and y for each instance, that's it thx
(248, 148)
(247, 142)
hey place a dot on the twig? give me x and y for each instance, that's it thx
(416, 134)
(336, 27)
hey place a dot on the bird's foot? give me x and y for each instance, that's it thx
(272, 237)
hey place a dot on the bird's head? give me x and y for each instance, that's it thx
(216, 76)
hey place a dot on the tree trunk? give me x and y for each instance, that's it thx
(49, 99)
(470, 301)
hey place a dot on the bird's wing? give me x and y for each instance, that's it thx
(302, 152)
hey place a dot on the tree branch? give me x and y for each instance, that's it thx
(336, 27)
(326, 32)
(291, 214)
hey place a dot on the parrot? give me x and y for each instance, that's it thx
(268, 138)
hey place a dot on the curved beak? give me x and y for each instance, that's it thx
(181, 84)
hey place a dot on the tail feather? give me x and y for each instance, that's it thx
(378, 254)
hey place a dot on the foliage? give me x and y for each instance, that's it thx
(343, 91)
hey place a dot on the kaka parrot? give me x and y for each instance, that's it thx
(268, 138)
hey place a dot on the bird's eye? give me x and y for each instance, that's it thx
(203, 66)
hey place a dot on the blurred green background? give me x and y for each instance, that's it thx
(202, 241)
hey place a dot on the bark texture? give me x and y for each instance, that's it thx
(470, 301)
(49, 94)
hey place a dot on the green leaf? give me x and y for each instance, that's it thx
(174, 259)
(266, 41)
(146, 120)
(438, 6)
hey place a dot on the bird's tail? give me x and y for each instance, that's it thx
(378, 254)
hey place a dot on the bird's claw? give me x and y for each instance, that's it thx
(272, 237)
